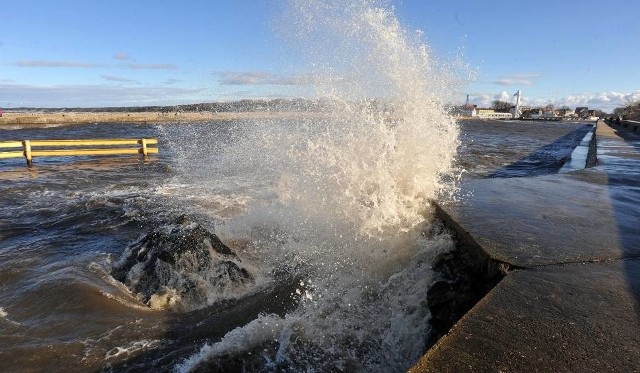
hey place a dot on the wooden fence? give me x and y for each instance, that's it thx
(56, 148)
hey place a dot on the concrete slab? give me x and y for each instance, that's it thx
(587, 215)
(574, 302)
(570, 318)
(540, 221)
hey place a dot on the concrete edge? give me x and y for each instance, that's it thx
(484, 261)
(477, 262)
(462, 278)
(631, 125)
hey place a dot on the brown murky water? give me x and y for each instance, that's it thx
(64, 222)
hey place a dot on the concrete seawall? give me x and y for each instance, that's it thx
(564, 250)
(632, 125)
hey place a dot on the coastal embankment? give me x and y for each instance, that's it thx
(632, 125)
(565, 249)
(34, 118)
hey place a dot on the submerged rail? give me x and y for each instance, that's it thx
(57, 148)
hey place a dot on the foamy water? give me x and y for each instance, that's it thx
(327, 295)
(329, 214)
(340, 201)
(388, 142)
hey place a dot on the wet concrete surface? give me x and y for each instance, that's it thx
(573, 301)
(568, 318)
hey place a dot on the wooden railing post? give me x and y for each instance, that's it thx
(145, 153)
(26, 144)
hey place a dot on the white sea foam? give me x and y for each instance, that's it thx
(346, 322)
(116, 290)
(5, 320)
(342, 198)
(388, 142)
(131, 348)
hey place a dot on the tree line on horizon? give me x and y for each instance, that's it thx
(277, 104)
(631, 111)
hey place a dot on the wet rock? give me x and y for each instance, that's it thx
(463, 276)
(182, 266)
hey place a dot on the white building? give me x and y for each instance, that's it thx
(492, 114)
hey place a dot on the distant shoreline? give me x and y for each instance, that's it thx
(35, 119)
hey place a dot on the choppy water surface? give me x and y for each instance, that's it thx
(517, 148)
(348, 302)
(329, 216)
(66, 221)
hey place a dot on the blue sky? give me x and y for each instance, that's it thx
(89, 53)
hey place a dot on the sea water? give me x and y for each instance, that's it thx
(345, 198)
(330, 212)
(353, 299)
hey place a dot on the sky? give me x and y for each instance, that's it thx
(96, 53)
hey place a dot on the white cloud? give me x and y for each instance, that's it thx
(134, 66)
(122, 56)
(172, 81)
(114, 78)
(259, 78)
(606, 101)
(503, 96)
(23, 95)
(486, 99)
(152, 66)
(44, 63)
(524, 79)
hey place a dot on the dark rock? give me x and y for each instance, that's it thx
(463, 277)
(182, 266)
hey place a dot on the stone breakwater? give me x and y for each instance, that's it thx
(564, 250)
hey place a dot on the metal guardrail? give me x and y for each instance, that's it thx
(56, 148)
